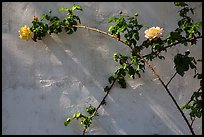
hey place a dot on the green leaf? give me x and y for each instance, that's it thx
(181, 4)
(187, 106)
(76, 17)
(136, 35)
(122, 29)
(198, 24)
(134, 60)
(187, 53)
(138, 68)
(132, 41)
(111, 19)
(192, 66)
(182, 63)
(42, 17)
(131, 72)
(122, 82)
(75, 28)
(68, 120)
(183, 106)
(125, 66)
(67, 10)
(77, 115)
(61, 9)
(86, 121)
(191, 10)
(184, 11)
(76, 7)
(90, 109)
(174, 36)
(136, 14)
(111, 79)
(111, 28)
(198, 115)
(106, 89)
(200, 76)
(139, 26)
(116, 57)
(155, 45)
(47, 17)
(65, 123)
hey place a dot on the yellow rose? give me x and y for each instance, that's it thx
(153, 32)
(25, 33)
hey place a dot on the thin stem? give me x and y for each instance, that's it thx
(171, 78)
(154, 72)
(173, 99)
(196, 91)
(192, 121)
(84, 131)
(101, 103)
(97, 30)
(173, 44)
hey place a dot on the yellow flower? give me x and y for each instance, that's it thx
(25, 33)
(153, 32)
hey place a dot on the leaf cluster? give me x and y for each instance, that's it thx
(53, 24)
(86, 120)
(184, 62)
(126, 26)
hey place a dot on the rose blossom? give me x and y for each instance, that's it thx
(25, 33)
(153, 32)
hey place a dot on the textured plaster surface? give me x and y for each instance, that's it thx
(44, 82)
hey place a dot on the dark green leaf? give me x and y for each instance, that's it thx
(111, 79)
(136, 35)
(75, 28)
(132, 41)
(187, 106)
(131, 72)
(182, 4)
(187, 53)
(200, 76)
(161, 57)
(106, 89)
(122, 83)
(198, 115)
(77, 18)
(191, 10)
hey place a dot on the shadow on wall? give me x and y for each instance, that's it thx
(145, 114)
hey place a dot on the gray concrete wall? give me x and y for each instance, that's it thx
(44, 82)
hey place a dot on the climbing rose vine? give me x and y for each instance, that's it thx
(126, 29)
